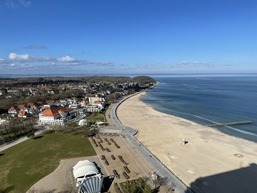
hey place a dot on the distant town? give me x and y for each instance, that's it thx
(27, 104)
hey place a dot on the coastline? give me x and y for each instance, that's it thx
(208, 151)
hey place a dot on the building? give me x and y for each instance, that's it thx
(87, 176)
(96, 104)
(14, 111)
(94, 100)
(54, 116)
(93, 108)
(23, 112)
(2, 121)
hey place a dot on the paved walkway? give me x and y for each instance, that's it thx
(160, 168)
(8, 145)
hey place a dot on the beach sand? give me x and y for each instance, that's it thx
(211, 161)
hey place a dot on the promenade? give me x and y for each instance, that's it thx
(160, 168)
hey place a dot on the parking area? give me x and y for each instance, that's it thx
(119, 158)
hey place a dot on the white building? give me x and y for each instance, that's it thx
(87, 177)
(2, 121)
(53, 116)
(94, 100)
(96, 104)
(93, 108)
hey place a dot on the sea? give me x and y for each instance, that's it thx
(208, 100)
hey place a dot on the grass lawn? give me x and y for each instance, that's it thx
(24, 164)
(96, 117)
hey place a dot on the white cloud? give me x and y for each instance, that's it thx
(17, 3)
(10, 4)
(14, 56)
(26, 63)
(66, 59)
(25, 3)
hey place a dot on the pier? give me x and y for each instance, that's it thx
(230, 124)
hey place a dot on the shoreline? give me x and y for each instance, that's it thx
(211, 122)
(208, 151)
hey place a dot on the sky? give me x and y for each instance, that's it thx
(98, 37)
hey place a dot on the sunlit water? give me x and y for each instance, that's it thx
(209, 100)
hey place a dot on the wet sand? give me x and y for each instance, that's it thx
(208, 154)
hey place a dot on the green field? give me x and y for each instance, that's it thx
(24, 164)
(93, 117)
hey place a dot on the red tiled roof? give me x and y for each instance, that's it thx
(53, 111)
(22, 112)
(97, 102)
(12, 109)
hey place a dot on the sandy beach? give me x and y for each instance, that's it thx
(210, 159)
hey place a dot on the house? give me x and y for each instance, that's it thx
(13, 111)
(54, 116)
(96, 104)
(92, 100)
(99, 104)
(83, 103)
(2, 121)
(23, 112)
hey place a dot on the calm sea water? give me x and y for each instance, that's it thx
(209, 100)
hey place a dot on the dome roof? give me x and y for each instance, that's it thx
(82, 122)
(84, 168)
(88, 177)
(85, 171)
(82, 163)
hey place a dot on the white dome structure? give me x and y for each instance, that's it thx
(82, 122)
(87, 177)
(85, 170)
(82, 163)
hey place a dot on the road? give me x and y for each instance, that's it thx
(160, 168)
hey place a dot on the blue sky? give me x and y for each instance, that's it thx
(128, 36)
